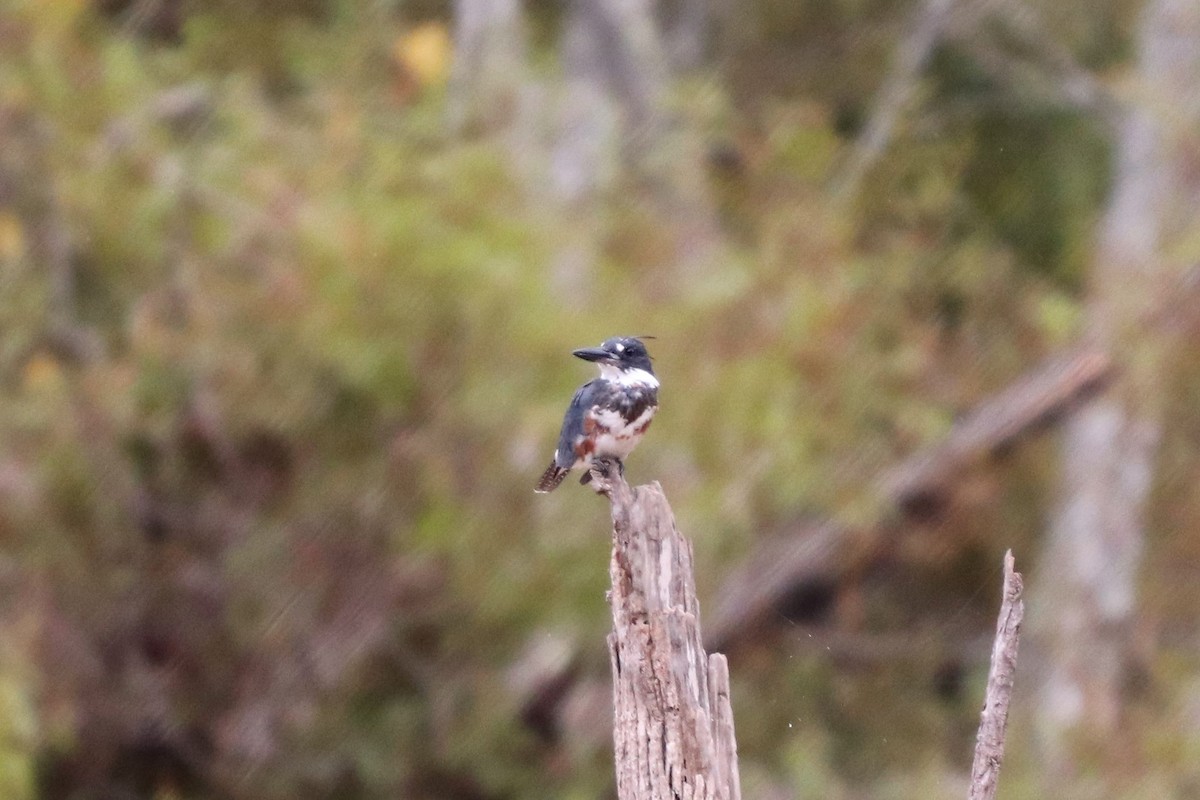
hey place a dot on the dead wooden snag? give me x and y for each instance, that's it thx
(989, 744)
(672, 722)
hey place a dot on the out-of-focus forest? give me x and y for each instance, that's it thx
(288, 290)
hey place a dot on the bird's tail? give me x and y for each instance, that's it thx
(551, 478)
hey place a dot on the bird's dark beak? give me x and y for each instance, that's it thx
(592, 354)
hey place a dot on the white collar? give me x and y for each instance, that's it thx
(628, 377)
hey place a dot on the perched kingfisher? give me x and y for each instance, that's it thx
(607, 416)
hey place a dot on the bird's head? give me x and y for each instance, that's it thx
(622, 354)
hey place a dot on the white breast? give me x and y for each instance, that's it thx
(621, 437)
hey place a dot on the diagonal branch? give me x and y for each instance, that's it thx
(919, 484)
(894, 96)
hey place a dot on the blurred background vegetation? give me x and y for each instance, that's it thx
(287, 294)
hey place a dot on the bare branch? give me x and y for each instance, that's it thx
(1044, 66)
(817, 556)
(894, 96)
(1051, 70)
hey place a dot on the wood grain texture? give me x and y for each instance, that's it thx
(673, 734)
(993, 722)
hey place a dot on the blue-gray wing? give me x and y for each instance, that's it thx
(572, 433)
(572, 428)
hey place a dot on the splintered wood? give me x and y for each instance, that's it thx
(673, 725)
(989, 745)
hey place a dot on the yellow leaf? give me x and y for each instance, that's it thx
(42, 373)
(12, 236)
(54, 17)
(425, 52)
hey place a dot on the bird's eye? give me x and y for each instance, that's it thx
(620, 348)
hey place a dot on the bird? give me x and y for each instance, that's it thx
(608, 415)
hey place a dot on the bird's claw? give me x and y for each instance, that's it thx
(601, 472)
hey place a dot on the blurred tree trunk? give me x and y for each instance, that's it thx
(613, 125)
(489, 59)
(686, 26)
(1087, 594)
(29, 200)
(615, 80)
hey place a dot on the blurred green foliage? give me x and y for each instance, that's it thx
(266, 465)
(18, 728)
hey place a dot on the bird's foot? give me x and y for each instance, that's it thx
(601, 473)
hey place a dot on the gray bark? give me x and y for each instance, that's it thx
(673, 726)
(993, 722)
(1097, 531)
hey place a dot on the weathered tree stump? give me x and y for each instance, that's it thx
(673, 726)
